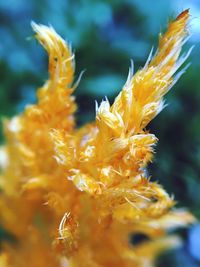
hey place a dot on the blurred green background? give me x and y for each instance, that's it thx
(105, 35)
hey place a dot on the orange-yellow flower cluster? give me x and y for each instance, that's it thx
(72, 197)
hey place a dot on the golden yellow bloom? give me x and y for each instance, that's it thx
(72, 197)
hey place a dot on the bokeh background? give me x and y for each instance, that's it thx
(105, 35)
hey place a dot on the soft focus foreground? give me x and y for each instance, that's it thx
(73, 197)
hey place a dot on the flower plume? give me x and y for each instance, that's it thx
(80, 193)
(61, 58)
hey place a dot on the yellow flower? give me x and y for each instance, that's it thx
(72, 197)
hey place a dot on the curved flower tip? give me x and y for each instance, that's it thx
(61, 58)
(142, 96)
(184, 15)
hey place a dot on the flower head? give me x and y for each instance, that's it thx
(80, 193)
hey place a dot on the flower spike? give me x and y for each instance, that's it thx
(80, 193)
(61, 58)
